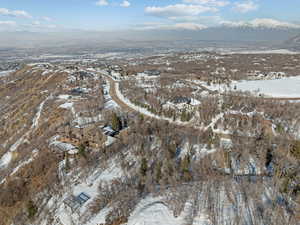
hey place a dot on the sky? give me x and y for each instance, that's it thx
(109, 15)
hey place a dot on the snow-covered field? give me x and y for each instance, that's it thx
(279, 88)
(286, 87)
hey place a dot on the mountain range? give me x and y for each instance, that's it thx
(233, 34)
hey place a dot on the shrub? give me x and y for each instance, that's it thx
(185, 167)
(31, 209)
(82, 150)
(14, 191)
(185, 116)
(295, 149)
(279, 129)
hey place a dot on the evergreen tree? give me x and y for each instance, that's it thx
(67, 162)
(158, 174)
(144, 167)
(116, 122)
(172, 150)
(185, 168)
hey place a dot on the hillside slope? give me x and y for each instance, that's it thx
(69, 154)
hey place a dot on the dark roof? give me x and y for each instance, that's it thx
(109, 131)
(78, 91)
(75, 202)
(152, 72)
(181, 99)
(82, 198)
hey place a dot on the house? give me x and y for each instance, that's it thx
(181, 99)
(75, 202)
(109, 131)
(152, 72)
(63, 147)
(117, 68)
(82, 75)
(79, 91)
(71, 67)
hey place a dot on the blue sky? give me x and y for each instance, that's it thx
(144, 14)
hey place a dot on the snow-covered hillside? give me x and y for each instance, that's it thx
(80, 147)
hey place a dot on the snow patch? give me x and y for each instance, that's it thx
(152, 211)
(64, 97)
(67, 105)
(6, 73)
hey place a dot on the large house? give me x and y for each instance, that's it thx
(181, 99)
(152, 72)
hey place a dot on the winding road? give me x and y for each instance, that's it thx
(129, 107)
(132, 108)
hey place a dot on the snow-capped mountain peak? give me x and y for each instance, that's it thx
(261, 23)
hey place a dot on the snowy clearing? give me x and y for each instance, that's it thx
(64, 97)
(280, 88)
(286, 87)
(90, 187)
(152, 211)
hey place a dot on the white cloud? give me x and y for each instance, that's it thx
(216, 3)
(125, 4)
(204, 19)
(102, 3)
(261, 23)
(189, 26)
(14, 13)
(46, 18)
(244, 7)
(179, 10)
